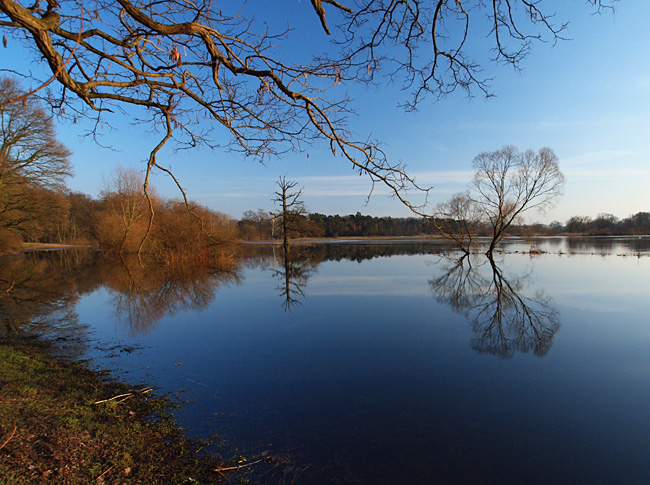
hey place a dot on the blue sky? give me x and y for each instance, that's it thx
(587, 98)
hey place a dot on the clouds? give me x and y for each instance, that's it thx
(598, 158)
(611, 165)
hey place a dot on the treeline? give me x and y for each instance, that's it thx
(606, 224)
(260, 225)
(602, 225)
(117, 222)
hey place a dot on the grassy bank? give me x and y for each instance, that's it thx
(61, 423)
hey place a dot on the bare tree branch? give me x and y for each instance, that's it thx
(200, 75)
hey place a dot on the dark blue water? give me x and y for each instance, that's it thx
(396, 363)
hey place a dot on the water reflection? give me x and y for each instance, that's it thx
(293, 274)
(143, 296)
(358, 383)
(595, 245)
(503, 317)
(263, 256)
(39, 293)
(39, 290)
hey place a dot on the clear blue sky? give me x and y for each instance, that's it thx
(587, 98)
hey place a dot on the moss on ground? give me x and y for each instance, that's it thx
(51, 430)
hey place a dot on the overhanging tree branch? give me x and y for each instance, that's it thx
(229, 75)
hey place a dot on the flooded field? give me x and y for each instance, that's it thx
(377, 362)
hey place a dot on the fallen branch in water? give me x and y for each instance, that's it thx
(124, 397)
(9, 439)
(230, 468)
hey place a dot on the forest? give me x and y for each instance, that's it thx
(256, 225)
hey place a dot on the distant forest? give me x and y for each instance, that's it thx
(260, 225)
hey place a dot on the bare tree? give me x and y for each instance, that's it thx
(508, 183)
(32, 160)
(261, 219)
(195, 71)
(291, 207)
(126, 206)
(459, 220)
(29, 150)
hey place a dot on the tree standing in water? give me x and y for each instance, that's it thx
(459, 220)
(292, 209)
(508, 183)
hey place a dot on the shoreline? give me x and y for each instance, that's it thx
(61, 421)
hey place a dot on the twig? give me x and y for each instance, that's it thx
(6, 292)
(127, 395)
(100, 476)
(9, 439)
(229, 468)
(113, 398)
(195, 382)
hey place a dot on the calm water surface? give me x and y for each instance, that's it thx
(391, 363)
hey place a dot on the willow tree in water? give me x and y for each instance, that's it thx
(508, 183)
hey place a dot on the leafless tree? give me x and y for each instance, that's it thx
(29, 150)
(31, 158)
(508, 183)
(459, 220)
(180, 235)
(196, 71)
(291, 207)
(126, 204)
(261, 219)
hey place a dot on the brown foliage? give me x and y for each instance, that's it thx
(184, 232)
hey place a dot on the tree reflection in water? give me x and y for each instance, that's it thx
(502, 315)
(39, 291)
(143, 296)
(296, 269)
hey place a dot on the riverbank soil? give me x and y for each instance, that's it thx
(61, 423)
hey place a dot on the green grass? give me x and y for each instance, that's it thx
(52, 431)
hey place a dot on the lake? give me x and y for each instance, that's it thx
(389, 362)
